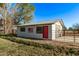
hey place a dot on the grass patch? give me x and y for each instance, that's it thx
(27, 47)
(27, 42)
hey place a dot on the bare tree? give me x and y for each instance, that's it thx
(20, 13)
(76, 26)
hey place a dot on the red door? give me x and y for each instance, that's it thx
(45, 32)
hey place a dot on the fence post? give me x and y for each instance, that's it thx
(64, 35)
(74, 35)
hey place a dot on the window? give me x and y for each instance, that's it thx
(22, 29)
(39, 30)
(30, 29)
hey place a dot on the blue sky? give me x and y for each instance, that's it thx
(68, 12)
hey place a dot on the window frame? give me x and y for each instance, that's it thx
(38, 30)
(22, 29)
(30, 30)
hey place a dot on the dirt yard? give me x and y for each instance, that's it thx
(66, 41)
(69, 39)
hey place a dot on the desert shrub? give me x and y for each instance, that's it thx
(72, 51)
(77, 53)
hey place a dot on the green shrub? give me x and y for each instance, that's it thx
(26, 42)
(57, 50)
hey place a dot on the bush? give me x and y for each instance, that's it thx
(57, 50)
(26, 42)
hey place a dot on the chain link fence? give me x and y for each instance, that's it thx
(69, 36)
